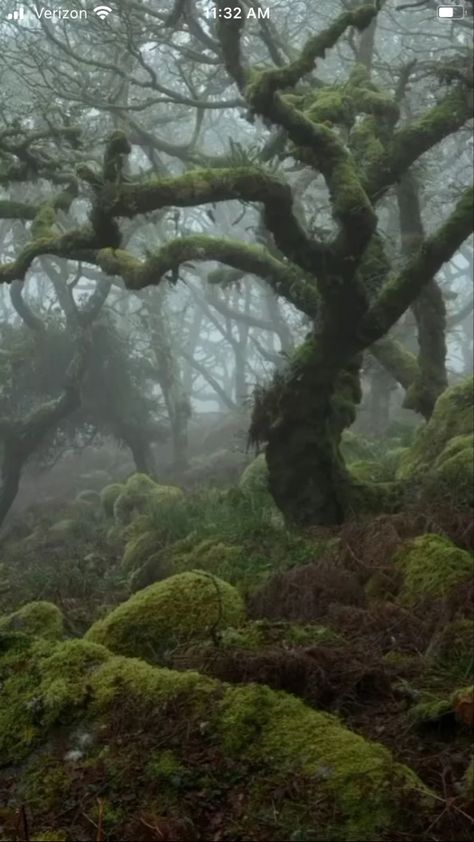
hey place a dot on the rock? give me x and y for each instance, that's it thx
(432, 567)
(158, 733)
(440, 461)
(141, 494)
(155, 620)
(109, 495)
(41, 619)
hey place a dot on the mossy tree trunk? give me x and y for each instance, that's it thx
(429, 309)
(21, 439)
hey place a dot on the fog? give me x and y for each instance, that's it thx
(236, 420)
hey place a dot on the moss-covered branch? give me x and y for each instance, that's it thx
(429, 308)
(402, 290)
(249, 184)
(255, 260)
(21, 439)
(397, 360)
(411, 142)
(269, 81)
(17, 210)
(78, 244)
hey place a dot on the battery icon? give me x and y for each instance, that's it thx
(451, 12)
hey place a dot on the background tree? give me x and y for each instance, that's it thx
(311, 164)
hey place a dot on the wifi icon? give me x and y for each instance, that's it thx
(102, 12)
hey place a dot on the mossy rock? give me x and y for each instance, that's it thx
(253, 484)
(41, 619)
(109, 495)
(89, 497)
(369, 471)
(138, 549)
(254, 479)
(393, 459)
(356, 448)
(140, 495)
(452, 475)
(184, 730)
(213, 556)
(432, 567)
(61, 528)
(452, 417)
(188, 606)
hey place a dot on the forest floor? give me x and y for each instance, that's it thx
(396, 671)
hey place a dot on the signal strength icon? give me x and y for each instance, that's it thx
(102, 12)
(18, 14)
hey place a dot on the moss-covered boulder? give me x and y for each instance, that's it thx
(88, 496)
(42, 619)
(141, 494)
(161, 744)
(432, 567)
(254, 479)
(214, 556)
(139, 548)
(441, 458)
(109, 495)
(253, 484)
(192, 605)
(369, 471)
(452, 475)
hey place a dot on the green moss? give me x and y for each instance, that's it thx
(109, 495)
(141, 494)
(271, 728)
(254, 479)
(452, 475)
(452, 417)
(434, 707)
(450, 657)
(368, 471)
(50, 836)
(392, 460)
(332, 105)
(51, 681)
(213, 556)
(45, 782)
(432, 567)
(178, 609)
(366, 498)
(165, 767)
(64, 527)
(138, 549)
(205, 735)
(88, 496)
(356, 448)
(41, 619)
(166, 494)
(43, 223)
(429, 710)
